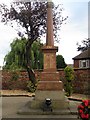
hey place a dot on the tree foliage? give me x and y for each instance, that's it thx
(69, 75)
(37, 62)
(85, 45)
(15, 59)
(60, 62)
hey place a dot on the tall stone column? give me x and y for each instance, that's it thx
(49, 78)
(50, 33)
(49, 85)
(49, 50)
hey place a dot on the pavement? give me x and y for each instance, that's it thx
(11, 103)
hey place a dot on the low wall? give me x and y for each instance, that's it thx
(14, 80)
(81, 84)
(19, 79)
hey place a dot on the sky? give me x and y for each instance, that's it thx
(75, 30)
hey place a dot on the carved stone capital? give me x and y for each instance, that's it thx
(50, 5)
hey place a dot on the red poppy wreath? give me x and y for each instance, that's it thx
(84, 110)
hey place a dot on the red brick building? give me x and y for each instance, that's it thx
(82, 60)
(82, 72)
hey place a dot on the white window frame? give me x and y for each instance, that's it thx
(83, 62)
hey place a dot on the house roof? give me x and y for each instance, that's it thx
(84, 55)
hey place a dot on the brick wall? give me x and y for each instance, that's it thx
(81, 81)
(81, 84)
(76, 63)
(19, 79)
(14, 80)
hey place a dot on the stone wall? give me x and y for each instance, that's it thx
(19, 79)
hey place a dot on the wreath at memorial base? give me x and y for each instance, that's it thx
(84, 110)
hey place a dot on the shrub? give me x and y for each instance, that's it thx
(69, 76)
(31, 87)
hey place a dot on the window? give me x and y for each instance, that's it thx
(84, 64)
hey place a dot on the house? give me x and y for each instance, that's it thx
(81, 84)
(82, 60)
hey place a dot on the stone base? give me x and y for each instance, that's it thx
(50, 85)
(50, 81)
(27, 110)
(35, 108)
(49, 76)
(56, 105)
(59, 104)
(53, 95)
(58, 99)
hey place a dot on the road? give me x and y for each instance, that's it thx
(10, 106)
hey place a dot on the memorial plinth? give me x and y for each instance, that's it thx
(49, 85)
(49, 78)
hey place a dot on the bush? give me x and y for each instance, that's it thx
(31, 87)
(69, 75)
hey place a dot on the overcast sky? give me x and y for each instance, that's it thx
(75, 30)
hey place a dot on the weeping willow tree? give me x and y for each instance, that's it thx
(15, 59)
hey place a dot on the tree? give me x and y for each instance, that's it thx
(85, 45)
(69, 75)
(60, 62)
(31, 16)
(37, 62)
(15, 58)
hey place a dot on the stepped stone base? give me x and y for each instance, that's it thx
(56, 104)
(49, 76)
(26, 110)
(54, 95)
(50, 85)
(60, 104)
(58, 99)
(50, 81)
